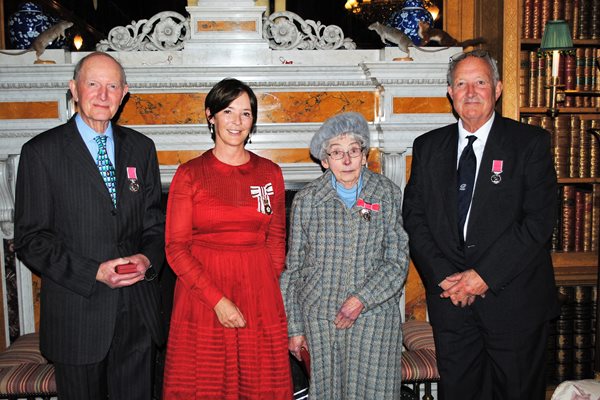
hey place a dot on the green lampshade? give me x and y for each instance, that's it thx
(557, 36)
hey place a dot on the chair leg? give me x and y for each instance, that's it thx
(427, 395)
(417, 388)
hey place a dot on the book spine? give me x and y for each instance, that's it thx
(579, 211)
(568, 219)
(524, 70)
(528, 19)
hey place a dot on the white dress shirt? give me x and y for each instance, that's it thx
(478, 146)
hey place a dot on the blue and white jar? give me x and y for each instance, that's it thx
(407, 19)
(26, 24)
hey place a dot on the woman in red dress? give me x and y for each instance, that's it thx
(225, 240)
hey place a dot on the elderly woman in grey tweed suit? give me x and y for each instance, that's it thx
(346, 266)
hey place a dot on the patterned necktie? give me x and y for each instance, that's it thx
(466, 180)
(107, 171)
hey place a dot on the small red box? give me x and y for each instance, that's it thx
(126, 268)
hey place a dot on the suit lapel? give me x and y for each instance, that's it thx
(123, 151)
(81, 158)
(446, 177)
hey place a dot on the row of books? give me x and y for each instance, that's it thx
(583, 17)
(577, 71)
(578, 219)
(572, 336)
(575, 143)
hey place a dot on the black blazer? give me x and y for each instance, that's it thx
(509, 227)
(65, 226)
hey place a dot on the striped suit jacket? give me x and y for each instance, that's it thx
(65, 226)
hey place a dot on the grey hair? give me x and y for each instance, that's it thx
(482, 54)
(352, 124)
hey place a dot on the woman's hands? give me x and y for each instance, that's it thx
(229, 315)
(348, 313)
(295, 344)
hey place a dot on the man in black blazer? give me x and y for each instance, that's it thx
(487, 271)
(98, 327)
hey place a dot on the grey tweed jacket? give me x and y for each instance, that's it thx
(335, 253)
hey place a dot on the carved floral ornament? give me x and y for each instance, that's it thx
(169, 30)
(166, 30)
(281, 29)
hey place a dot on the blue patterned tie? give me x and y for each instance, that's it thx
(107, 171)
(466, 180)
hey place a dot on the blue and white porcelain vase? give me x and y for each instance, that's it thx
(407, 19)
(26, 24)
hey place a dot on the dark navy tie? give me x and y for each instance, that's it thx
(106, 168)
(466, 180)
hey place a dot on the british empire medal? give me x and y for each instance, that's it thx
(366, 214)
(134, 186)
(496, 171)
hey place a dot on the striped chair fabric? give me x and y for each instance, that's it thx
(27, 380)
(417, 335)
(24, 372)
(26, 349)
(419, 366)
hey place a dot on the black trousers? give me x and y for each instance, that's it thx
(476, 363)
(124, 374)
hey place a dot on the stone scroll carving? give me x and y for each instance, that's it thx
(169, 30)
(8, 167)
(285, 30)
(166, 30)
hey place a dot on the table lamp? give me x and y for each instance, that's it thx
(556, 38)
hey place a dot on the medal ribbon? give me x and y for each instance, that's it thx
(497, 166)
(131, 173)
(262, 193)
(367, 206)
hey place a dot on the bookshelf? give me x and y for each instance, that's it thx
(576, 152)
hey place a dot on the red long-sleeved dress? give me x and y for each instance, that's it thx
(225, 236)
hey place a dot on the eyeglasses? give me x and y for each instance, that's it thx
(475, 53)
(352, 153)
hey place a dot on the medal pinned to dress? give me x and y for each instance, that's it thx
(497, 166)
(366, 209)
(134, 186)
(268, 209)
(262, 195)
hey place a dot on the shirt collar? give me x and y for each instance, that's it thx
(481, 133)
(88, 133)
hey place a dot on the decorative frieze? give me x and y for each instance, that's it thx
(286, 30)
(166, 30)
